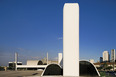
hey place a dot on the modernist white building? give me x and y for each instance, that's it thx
(37, 64)
(105, 56)
(32, 62)
(91, 60)
(113, 55)
(70, 49)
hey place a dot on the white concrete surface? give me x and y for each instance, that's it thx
(32, 62)
(31, 66)
(71, 39)
(59, 58)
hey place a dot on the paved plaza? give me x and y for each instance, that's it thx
(19, 73)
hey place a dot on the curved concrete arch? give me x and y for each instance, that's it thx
(40, 62)
(52, 69)
(87, 63)
(86, 69)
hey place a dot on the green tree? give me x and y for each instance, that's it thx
(109, 67)
(1, 68)
(105, 66)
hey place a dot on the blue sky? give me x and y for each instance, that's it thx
(34, 27)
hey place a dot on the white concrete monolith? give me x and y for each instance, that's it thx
(71, 39)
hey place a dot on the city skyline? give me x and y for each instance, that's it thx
(108, 57)
(33, 28)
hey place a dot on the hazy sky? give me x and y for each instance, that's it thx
(34, 27)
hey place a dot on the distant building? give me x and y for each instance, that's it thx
(59, 58)
(35, 65)
(91, 60)
(105, 56)
(109, 64)
(32, 62)
(52, 62)
(101, 59)
(44, 60)
(113, 55)
(12, 65)
(32, 65)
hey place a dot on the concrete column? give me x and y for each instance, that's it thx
(71, 39)
(16, 59)
(59, 58)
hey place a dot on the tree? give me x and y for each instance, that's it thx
(99, 68)
(109, 67)
(105, 66)
(1, 68)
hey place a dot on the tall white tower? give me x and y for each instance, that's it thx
(113, 55)
(105, 56)
(71, 39)
(16, 59)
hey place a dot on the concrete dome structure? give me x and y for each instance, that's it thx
(86, 69)
(52, 69)
(40, 62)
